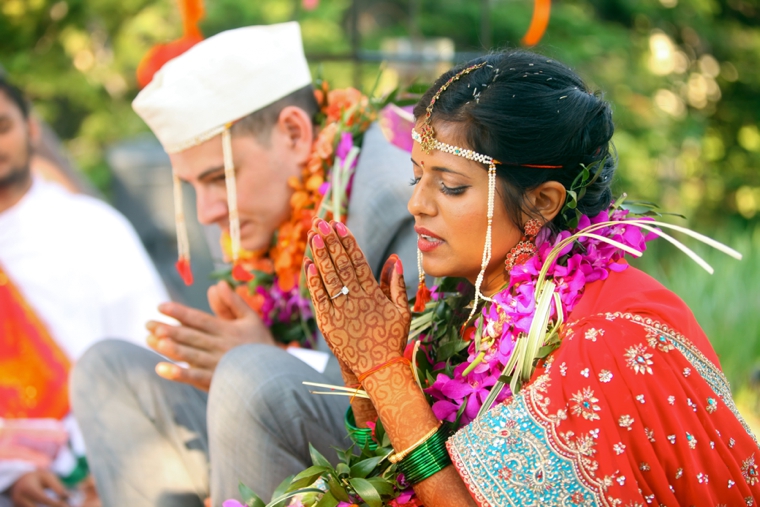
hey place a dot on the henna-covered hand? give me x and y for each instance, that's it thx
(368, 326)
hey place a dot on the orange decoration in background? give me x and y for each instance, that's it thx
(192, 13)
(539, 22)
(33, 369)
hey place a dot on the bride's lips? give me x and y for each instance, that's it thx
(427, 241)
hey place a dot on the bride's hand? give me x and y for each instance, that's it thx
(369, 325)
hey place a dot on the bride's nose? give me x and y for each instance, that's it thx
(421, 202)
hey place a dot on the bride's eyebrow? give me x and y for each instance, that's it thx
(442, 169)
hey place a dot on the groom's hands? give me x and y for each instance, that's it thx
(201, 339)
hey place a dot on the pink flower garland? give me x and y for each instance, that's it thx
(511, 313)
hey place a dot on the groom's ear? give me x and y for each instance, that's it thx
(295, 128)
(547, 199)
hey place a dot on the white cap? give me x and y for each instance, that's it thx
(222, 79)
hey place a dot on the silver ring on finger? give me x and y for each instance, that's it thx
(343, 292)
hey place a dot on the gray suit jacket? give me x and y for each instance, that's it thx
(377, 214)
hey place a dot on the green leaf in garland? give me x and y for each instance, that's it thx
(429, 378)
(280, 500)
(545, 351)
(367, 491)
(224, 274)
(259, 279)
(380, 435)
(304, 482)
(250, 498)
(344, 455)
(317, 458)
(342, 469)
(572, 200)
(282, 488)
(327, 500)
(450, 349)
(460, 411)
(337, 489)
(383, 486)
(364, 467)
(312, 471)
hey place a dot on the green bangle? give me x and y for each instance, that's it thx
(362, 437)
(428, 459)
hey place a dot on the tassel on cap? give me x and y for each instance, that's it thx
(423, 293)
(183, 245)
(229, 177)
(183, 268)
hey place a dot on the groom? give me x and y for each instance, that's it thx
(169, 440)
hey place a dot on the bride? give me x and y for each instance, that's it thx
(512, 169)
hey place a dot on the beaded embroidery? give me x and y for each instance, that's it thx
(708, 371)
(525, 471)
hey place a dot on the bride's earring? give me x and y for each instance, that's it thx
(526, 247)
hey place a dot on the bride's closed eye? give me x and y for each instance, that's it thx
(444, 189)
(453, 190)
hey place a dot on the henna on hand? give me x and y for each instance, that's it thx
(364, 328)
(407, 417)
(364, 410)
(368, 328)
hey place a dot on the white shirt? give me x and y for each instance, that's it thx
(80, 265)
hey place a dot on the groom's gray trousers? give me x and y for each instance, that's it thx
(154, 442)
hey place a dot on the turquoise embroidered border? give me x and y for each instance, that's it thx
(510, 463)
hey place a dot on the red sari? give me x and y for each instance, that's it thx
(631, 410)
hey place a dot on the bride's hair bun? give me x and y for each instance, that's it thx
(522, 108)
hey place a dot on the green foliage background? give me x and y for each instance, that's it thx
(683, 76)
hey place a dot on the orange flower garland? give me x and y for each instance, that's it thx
(268, 277)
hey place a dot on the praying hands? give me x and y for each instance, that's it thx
(201, 339)
(365, 323)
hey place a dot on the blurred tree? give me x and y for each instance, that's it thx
(76, 60)
(683, 75)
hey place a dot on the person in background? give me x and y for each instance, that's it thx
(240, 119)
(72, 272)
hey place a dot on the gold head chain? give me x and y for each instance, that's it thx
(428, 142)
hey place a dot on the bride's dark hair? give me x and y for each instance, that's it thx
(524, 108)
